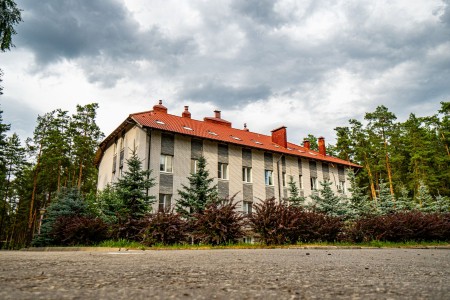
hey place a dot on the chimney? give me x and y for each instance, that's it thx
(160, 108)
(217, 119)
(186, 113)
(245, 127)
(322, 149)
(279, 136)
(306, 144)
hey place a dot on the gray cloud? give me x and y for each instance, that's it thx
(248, 51)
(225, 96)
(95, 31)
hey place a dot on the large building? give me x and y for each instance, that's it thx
(253, 165)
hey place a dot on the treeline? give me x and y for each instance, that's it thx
(409, 157)
(60, 154)
(406, 166)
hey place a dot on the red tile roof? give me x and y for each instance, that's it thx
(158, 119)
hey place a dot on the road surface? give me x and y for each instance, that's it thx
(227, 274)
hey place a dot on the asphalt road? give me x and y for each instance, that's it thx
(227, 274)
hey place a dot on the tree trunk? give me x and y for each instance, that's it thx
(372, 186)
(80, 175)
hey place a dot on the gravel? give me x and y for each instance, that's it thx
(227, 274)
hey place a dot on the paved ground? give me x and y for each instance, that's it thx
(227, 274)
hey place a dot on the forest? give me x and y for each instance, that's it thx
(406, 166)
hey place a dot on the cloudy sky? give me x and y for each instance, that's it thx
(308, 65)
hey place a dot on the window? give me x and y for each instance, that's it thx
(247, 174)
(268, 176)
(165, 163)
(194, 166)
(164, 202)
(341, 187)
(283, 178)
(300, 182)
(314, 183)
(247, 207)
(222, 171)
(114, 158)
(122, 153)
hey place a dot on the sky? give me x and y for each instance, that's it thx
(308, 65)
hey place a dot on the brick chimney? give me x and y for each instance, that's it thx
(160, 108)
(306, 144)
(322, 148)
(186, 113)
(217, 119)
(279, 136)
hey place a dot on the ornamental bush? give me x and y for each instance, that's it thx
(401, 227)
(78, 230)
(164, 227)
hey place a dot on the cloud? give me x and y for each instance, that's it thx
(225, 96)
(94, 32)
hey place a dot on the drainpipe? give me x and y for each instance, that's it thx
(278, 177)
(149, 135)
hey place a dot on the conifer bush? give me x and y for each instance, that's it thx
(164, 227)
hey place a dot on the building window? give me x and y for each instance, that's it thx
(247, 174)
(300, 182)
(194, 166)
(165, 163)
(341, 187)
(313, 183)
(222, 172)
(247, 207)
(283, 178)
(268, 176)
(164, 202)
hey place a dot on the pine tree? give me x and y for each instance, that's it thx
(359, 204)
(195, 197)
(404, 202)
(294, 198)
(442, 204)
(132, 186)
(325, 201)
(425, 201)
(386, 202)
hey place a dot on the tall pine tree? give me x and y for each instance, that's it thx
(199, 193)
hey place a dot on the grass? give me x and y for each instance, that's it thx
(122, 243)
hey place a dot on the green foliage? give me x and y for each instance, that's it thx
(69, 203)
(108, 205)
(327, 202)
(404, 202)
(10, 16)
(359, 203)
(131, 189)
(294, 198)
(219, 223)
(195, 197)
(425, 201)
(386, 202)
(442, 204)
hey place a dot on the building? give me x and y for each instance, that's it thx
(253, 165)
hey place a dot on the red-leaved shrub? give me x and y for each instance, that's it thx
(78, 230)
(401, 227)
(164, 227)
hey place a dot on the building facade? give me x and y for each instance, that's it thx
(251, 165)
